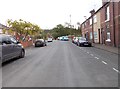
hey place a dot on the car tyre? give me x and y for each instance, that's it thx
(90, 45)
(22, 54)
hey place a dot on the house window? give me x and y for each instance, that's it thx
(91, 35)
(107, 13)
(95, 19)
(95, 35)
(108, 37)
(90, 21)
(83, 26)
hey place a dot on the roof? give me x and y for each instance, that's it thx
(3, 26)
(97, 11)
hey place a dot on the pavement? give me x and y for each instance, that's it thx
(107, 48)
(62, 64)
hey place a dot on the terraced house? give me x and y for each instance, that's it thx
(2, 27)
(103, 26)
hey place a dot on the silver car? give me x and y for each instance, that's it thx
(10, 48)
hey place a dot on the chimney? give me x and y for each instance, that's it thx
(92, 12)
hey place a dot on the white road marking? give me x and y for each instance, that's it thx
(104, 62)
(91, 54)
(116, 70)
(96, 57)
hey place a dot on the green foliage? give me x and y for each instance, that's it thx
(4, 30)
(60, 30)
(23, 27)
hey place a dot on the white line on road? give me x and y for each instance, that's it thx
(96, 57)
(91, 54)
(116, 70)
(104, 62)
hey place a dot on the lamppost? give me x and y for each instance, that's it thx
(70, 21)
(70, 25)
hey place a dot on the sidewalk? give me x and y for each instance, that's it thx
(107, 48)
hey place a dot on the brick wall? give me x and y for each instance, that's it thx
(113, 24)
(27, 44)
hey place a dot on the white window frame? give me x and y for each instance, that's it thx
(108, 37)
(83, 26)
(91, 21)
(95, 18)
(108, 14)
(95, 35)
(91, 37)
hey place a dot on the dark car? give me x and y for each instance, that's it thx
(83, 42)
(10, 48)
(40, 42)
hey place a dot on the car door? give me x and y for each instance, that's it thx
(7, 49)
(17, 48)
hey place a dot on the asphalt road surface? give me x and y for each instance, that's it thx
(62, 64)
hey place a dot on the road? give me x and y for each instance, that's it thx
(62, 64)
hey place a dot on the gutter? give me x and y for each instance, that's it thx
(114, 25)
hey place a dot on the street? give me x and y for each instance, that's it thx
(62, 64)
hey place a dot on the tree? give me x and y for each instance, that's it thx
(23, 27)
(60, 30)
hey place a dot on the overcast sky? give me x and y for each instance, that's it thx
(47, 13)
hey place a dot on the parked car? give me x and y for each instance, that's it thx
(83, 42)
(50, 39)
(10, 47)
(40, 42)
(65, 38)
(59, 38)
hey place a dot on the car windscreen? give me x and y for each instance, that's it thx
(83, 39)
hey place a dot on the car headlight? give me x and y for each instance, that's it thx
(21, 45)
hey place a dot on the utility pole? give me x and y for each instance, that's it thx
(70, 20)
(70, 25)
(114, 23)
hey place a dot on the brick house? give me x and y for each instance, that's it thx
(104, 27)
(3, 27)
(7, 31)
(91, 27)
(110, 23)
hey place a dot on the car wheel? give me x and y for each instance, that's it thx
(35, 45)
(45, 44)
(22, 54)
(80, 45)
(77, 44)
(90, 45)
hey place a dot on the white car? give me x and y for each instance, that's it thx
(49, 39)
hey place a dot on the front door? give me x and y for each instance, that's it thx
(102, 36)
